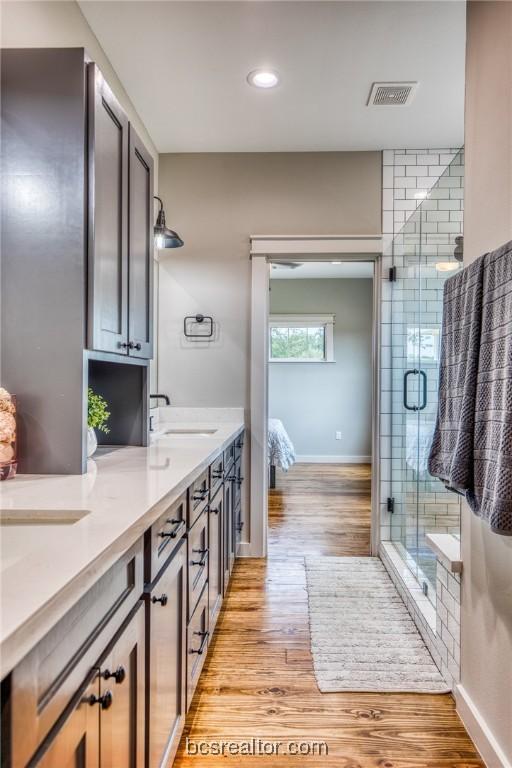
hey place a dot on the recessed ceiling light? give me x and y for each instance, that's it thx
(263, 78)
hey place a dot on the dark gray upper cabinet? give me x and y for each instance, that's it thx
(120, 228)
(108, 219)
(77, 247)
(140, 249)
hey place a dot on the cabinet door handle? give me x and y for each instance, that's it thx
(119, 675)
(231, 478)
(122, 345)
(202, 562)
(162, 600)
(172, 534)
(218, 473)
(133, 345)
(239, 480)
(104, 701)
(214, 510)
(201, 495)
(200, 650)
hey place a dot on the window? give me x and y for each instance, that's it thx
(301, 339)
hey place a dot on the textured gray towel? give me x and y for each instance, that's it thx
(472, 445)
(491, 494)
(451, 455)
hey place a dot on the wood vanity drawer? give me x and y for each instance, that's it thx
(164, 536)
(198, 495)
(216, 474)
(48, 677)
(197, 560)
(197, 644)
(229, 456)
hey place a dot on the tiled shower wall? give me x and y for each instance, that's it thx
(408, 175)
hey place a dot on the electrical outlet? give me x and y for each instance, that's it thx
(338, 435)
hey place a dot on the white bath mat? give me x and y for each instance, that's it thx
(362, 636)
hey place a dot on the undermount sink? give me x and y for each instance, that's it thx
(42, 516)
(191, 432)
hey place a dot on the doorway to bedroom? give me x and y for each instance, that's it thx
(320, 385)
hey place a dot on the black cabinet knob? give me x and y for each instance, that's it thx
(104, 701)
(119, 675)
(122, 345)
(133, 345)
(162, 600)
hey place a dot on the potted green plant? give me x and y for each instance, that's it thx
(97, 417)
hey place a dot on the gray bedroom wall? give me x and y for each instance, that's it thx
(314, 400)
(215, 202)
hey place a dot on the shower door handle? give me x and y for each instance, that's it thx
(423, 390)
(415, 372)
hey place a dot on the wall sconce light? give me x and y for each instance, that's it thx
(164, 237)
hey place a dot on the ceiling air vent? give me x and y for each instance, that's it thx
(391, 94)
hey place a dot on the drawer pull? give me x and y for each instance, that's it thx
(162, 600)
(204, 640)
(172, 534)
(201, 495)
(104, 701)
(119, 675)
(202, 562)
(218, 474)
(215, 510)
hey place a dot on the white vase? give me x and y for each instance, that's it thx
(92, 442)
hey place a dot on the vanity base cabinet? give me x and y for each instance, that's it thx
(198, 635)
(122, 696)
(215, 565)
(166, 701)
(77, 743)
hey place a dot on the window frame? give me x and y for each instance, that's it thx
(303, 321)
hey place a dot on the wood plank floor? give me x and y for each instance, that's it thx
(259, 682)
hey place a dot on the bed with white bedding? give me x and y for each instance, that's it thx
(281, 452)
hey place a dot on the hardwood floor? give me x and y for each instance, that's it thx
(259, 682)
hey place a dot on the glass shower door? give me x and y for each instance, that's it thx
(423, 258)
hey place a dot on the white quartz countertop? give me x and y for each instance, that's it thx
(46, 568)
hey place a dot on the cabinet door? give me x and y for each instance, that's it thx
(227, 554)
(215, 564)
(140, 249)
(167, 662)
(122, 692)
(76, 743)
(108, 219)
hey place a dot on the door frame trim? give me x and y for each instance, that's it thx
(264, 250)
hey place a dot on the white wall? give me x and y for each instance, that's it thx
(216, 201)
(485, 697)
(314, 400)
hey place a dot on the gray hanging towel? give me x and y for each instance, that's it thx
(491, 494)
(451, 455)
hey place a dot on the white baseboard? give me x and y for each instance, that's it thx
(244, 549)
(334, 459)
(479, 731)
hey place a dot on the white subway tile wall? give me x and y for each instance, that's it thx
(439, 626)
(422, 215)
